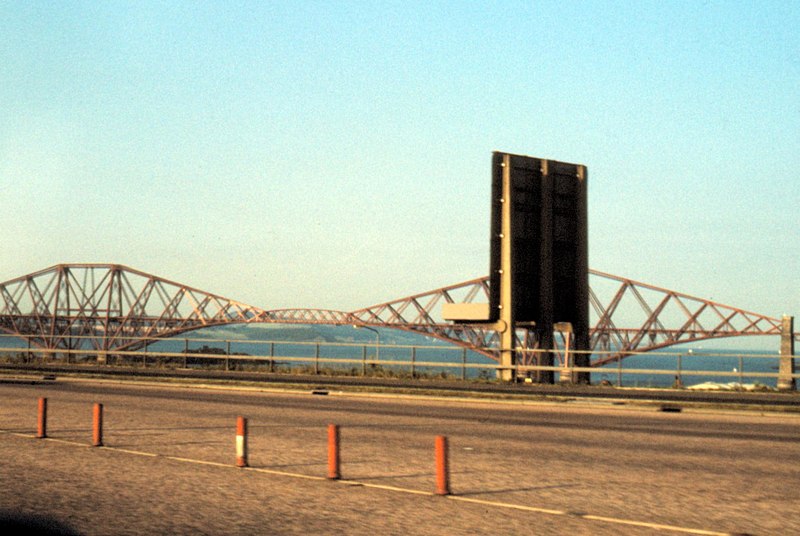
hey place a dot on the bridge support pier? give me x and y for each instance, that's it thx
(508, 355)
(786, 380)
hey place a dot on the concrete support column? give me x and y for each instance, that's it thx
(786, 381)
(581, 342)
(508, 355)
(545, 289)
(566, 374)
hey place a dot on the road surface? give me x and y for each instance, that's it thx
(558, 468)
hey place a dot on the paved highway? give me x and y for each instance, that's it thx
(558, 468)
(520, 390)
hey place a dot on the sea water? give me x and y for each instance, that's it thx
(692, 368)
(346, 349)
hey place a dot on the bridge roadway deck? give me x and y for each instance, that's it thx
(599, 468)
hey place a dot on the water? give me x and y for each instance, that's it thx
(343, 349)
(426, 357)
(725, 366)
(424, 354)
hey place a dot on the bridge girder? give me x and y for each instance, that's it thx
(115, 307)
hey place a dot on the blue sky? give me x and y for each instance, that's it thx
(336, 154)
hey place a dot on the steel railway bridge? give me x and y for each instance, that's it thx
(106, 307)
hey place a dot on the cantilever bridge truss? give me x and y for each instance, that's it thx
(113, 307)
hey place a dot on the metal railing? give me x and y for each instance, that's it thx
(660, 369)
(355, 358)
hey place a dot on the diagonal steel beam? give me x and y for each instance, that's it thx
(120, 305)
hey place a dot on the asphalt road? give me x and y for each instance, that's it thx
(789, 400)
(516, 468)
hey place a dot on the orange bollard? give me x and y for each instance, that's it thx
(97, 435)
(241, 442)
(334, 472)
(41, 428)
(442, 467)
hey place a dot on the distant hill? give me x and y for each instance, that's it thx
(311, 333)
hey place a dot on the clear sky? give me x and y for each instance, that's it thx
(337, 154)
